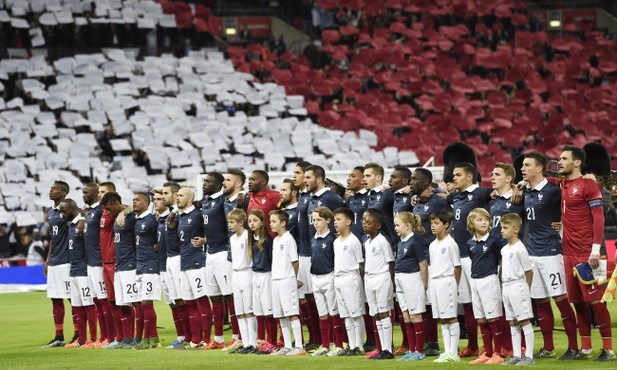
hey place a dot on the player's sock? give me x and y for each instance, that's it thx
(359, 330)
(57, 310)
(418, 328)
(272, 327)
(149, 319)
(127, 324)
(324, 329)
(296, 327)
(497, 332)
(175, 313)
(546, 322)
(133, 318)
(116, 312)
(506, 337)
(603, 319)
(305, 312)
(370, 328)
(529, 340)
(74, 314)
(378, 334)
(583, 321)
(445, 334)
(100, 318)
(487, 339)
(235, 329)
(430, 325)
(218, 314)
(155, 330)
(386, 329)
(568, 317)
(351, 332)
(471, 327)
(186, 323)
(91, 317)
(244, 328)
(339, 331)
(261, 328)
(81, 321)
(285, 331)
(455, 337)
(109, 320)
(402, 324)
(205, 311)
(411, 336)
(252, 331)
(516, 340)
(139, 321)
(195, 321)
(314, 318)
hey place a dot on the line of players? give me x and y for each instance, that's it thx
(194, 264)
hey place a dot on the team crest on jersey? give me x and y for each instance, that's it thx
(378, 197)
(344, 248)
(319, 204)
(540, 196)
(363, 201)
(443, 250)
(575, 190)
(373, 250)
(324, 245)
(404, 250)
(282, 246)
(241, 245)
(143, 226)
(305, 200)
(189, 220)
(404, 199)
(508, 205)
(102, 222)
(484, 248)
(263, 201)
(470, 196)
(511, 255)
(426, 208)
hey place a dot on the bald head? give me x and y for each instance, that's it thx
(185, 198)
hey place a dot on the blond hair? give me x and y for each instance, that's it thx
(473, 215)
(512, 219)
(414, 220)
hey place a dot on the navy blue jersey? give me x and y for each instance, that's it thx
(402, 203)
(145, 239)
(160, 241)
(215, 223)
(383, 200)
(59, 231)
(191, 225)
(502, 206)
(77, 251)
(322, 257)
(228, 206)
(424, 210)
(172, 239)
(304, 247)
(409, 254)
(124, 242)
(262, 260)
(92, 235)
(323, 198)
(463, 203)
(485, 256)
(292, 225)
(542, 207)
(358, 203)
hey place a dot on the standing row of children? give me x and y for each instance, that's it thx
(346, 274)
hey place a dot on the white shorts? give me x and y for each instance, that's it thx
(193, 284)
(464, 285)
(82, 293)
(410, 292)
(325, 295)
(149, 287)
(59, 281)
(444, 302)
(304, 275)
(285, 297)
(378, 289)
(243, 291)
(125, 285)
(517, 300)
(427, 300)
(349, 294)
(216, 274)
(548, 277)
(95, 274)
(486, 294)
(262, 293)
(230, 279)
(165, 287)
(172, 280)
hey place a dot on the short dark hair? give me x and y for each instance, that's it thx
(292, 186)
(91, 185)
(111, 197)
(237, 172)
(376, 214)
(264, 175)
(70, 203)
(173, 186)
(303, 165)
(376, 167)
(404, 171)
(540, 158)
(63, 186)
(442, 215)
(108, 184)
(468, 168)
(345, 211)
(318, 171)
(282, 215)
(144, 194)
(359, 168)
(578, 154)
(217, 177)
(426, 173)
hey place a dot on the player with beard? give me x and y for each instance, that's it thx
(261, 196)
(356, 200)
(289, 202)
(381, 198)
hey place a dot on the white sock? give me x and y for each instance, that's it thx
(529, 339)
(181, 338)
(235, 336)
(251, 339)
(219, 339)
(516, 340)
(445, 334)
(285, 330)
(244, 328)
(351, 332)
(379, 328)
(297, 330)
(359, 325)
(455, 337)
(386, 339)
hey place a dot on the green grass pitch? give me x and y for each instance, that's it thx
(26, 324)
